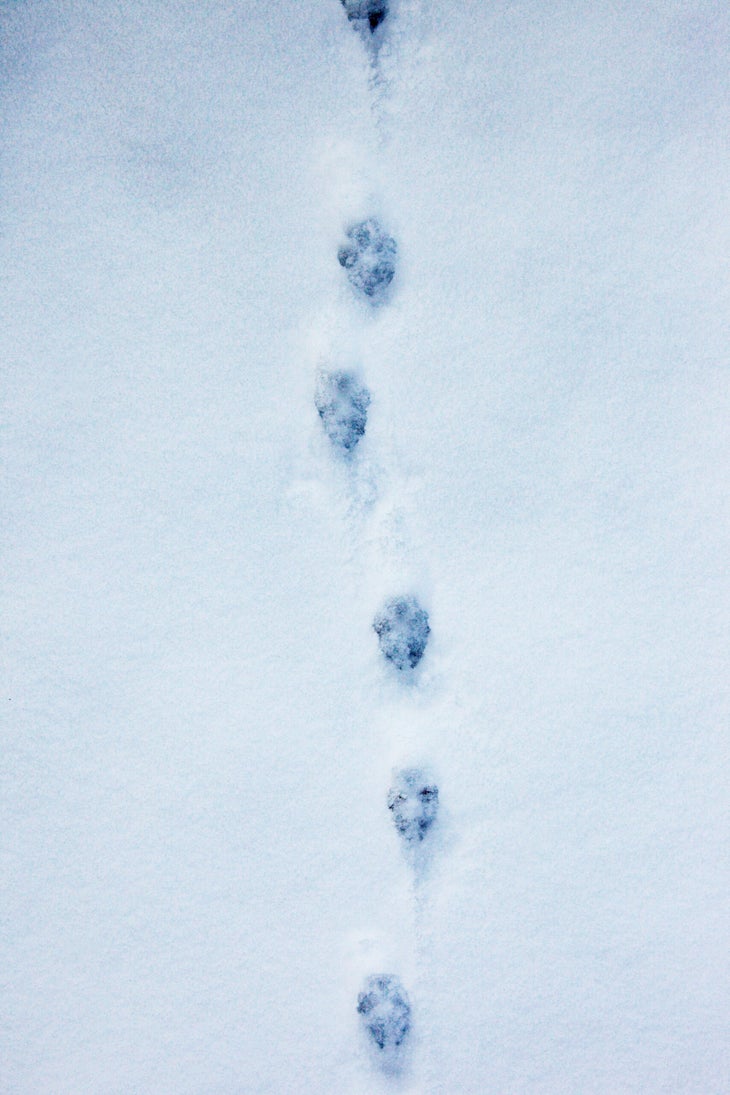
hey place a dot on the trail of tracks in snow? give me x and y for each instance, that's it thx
(373, 494)
(374, 499)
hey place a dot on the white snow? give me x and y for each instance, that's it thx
(198, 866)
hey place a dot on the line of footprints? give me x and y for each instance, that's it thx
(368, 257)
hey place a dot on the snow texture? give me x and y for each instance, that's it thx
(198, 870)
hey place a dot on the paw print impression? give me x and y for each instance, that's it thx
(366, 12)
(369, 259)
(385, 1010)
(342, 402)
(413, 801)
(402, 629)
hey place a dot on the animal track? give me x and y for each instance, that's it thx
(369, 259)
(342, 402)
(413, 802)
(402, 628)
(385, 1010)
(372, 12)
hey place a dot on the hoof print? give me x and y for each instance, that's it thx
(402, 629)
(385, 1010)
(369, 259)
(342, 402)
(413, 801)
(362, 12)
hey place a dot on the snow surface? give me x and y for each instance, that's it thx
(199, 869)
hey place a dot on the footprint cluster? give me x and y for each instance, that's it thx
(368, 256)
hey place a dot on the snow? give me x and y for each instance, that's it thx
(199, 867)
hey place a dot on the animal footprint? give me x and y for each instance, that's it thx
(413, 802)
(369, 259)
(385, 1010)
(342, 402)
(360, 12)
(402, 628)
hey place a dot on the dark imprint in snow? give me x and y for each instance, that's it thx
(413, 802)
(402, 629)
(385, 1010)
(342, 403)
(371, 11)
(369, 259)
